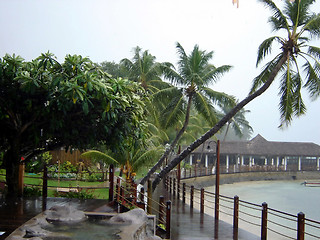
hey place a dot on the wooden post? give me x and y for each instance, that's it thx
(170, 185)
(264, 220)
(216, 213)
(174, 187)
(161, 210)
(191, 196)
(184, 193)
(134, 185)
(202, 200)
(21, 178)
(168, 220)
(118, 189)
(190, 172)
(178, 190)
(301, 226)
(149, 197)
(111, 182)
(141, 197)
(121, 198)
(44, 187)
(236, 212)
(179, 167)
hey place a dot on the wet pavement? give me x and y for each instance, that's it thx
(186, 223)
(190, 224)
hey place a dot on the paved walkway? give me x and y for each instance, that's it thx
(190, 224)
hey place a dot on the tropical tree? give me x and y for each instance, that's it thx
(131, 159)
(144, 69)
(238, 123)
(45, 105)
(190, 89)
(301, 26)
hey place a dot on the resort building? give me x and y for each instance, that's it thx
(257, 154)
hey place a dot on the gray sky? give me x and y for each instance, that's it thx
(107, 30)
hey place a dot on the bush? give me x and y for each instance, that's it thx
(81, 194)
(32, 191)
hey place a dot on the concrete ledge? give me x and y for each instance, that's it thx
(206, 181)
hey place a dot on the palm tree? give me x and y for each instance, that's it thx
(144, 69)
(190, 89)
(238, 123)
(301, 27)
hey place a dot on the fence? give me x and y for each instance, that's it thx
(127, 195)
(199, 170)
(266, 221)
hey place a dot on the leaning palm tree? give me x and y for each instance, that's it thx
(190, 89)
(301, 26)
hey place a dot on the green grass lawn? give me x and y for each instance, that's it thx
(53, 184)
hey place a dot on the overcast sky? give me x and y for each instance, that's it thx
(108, 30)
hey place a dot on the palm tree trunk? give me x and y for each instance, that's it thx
(220, 124)
(227, 130)
(173, 144)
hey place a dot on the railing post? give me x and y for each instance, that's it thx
(202, 200)
(111, 182)
(301, 225)
(191, 196)
(149, 197)
(264, 220)
(134, 185)
(178, 190)
(184, 193)
(44, 187)
(236, 212)
(121, 198)
(118, 189)
(141, 197)
(216, 207)
(161, 210)
(168, 220)
(190, 174)
(174, 187)
(170, 185)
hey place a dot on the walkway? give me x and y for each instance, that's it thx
(190, 224)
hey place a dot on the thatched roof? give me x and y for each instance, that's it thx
(260, 146)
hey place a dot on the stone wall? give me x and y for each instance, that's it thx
(206, 181)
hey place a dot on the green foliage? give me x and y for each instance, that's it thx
(33, 191)
(73, 104)
(36, 164)
(81, 194)
(301, 27)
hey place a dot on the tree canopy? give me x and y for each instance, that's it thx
(45, 104)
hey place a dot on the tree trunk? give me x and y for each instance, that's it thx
(173, 144)
(12, 162)
(220, 124)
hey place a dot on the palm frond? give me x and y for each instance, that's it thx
(265, 73)
(265, 48)
(203, 106)
(277, 14)
(313, 26)
(313, 79)
(173, 112)
(97, 156)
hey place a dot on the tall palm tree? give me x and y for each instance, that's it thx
(301, 26)
(190, 89)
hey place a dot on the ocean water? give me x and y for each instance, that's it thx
(286, 196)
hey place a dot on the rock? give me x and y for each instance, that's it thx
(64, 213)
(135, 216)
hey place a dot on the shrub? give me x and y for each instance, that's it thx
(32, 191)
(81, 194)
